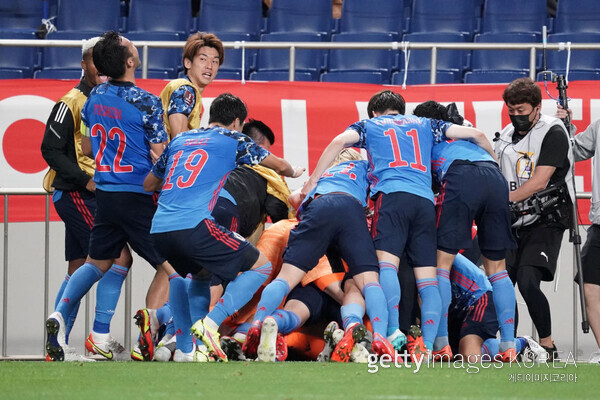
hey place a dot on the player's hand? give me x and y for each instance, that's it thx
(561, 113)
(296, 198)
(91, 185)
(154, 156)
(298, 171)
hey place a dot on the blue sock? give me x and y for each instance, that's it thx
(388, 279)
(107, 297)
(376, 307)
(199, 298)
(431, 308)
(287, 321)
(170, 328)
(490, 347)
(351, 314)
(239, 292)
(80, 283)
(164, 314)
(71, 321)
(61, 290)
(243, 328)
(445, 288)
(504, 302)
(520, 343)
(271, 298)
(180, 307)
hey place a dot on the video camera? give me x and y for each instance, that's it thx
(551, 204)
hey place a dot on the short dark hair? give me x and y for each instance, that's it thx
(522, 90)
(110, 55)
(254, 127)
(201, 39)
(431, 109)
(386, 100)
(226, 108)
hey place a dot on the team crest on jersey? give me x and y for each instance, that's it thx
(188, 98)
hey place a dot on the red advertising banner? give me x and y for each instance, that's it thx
(305, 116)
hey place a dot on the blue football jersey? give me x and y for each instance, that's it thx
(121, 121)
(347, 177)
(194, 168)
(444, 153)
(182, 101)
(399, 152)
(468, 283)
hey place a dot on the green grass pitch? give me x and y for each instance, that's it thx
(290, 380)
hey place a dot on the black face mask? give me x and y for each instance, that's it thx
(521, 122)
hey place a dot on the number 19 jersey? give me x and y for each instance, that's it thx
(194, 168)
(399, 152)
(121, 120)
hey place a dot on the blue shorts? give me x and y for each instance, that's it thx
(207, 246)
(226, 214)
(474, 191)
(332, 220)
(480, 319)
(124, 217)
(77, 209)
(405, 222)
(321, 306)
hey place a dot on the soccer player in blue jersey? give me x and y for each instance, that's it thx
(399, 153)
(190, 174)
(472, 188)
(122, 123)
(332, 214)
(473, 322)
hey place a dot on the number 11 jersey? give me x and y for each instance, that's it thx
(399, 152)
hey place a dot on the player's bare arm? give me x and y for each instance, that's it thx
(282, 167)
(475, 135)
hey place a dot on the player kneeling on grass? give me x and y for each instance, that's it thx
(191, 171)
(472, 320)
(332, 214)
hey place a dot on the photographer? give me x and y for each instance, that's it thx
(585, 146)
(534, 154)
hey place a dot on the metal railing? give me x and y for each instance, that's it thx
(292, 46)
(128, 285)
(41, 192)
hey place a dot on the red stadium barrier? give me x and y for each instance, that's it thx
(305, 116)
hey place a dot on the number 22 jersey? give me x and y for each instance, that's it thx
(121, 121)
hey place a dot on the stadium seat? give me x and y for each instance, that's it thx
(374, 16)
(307, 60)
(494, 76)
(162, 62)
(20, 15)
(514, 16)
(232, 65)
(354, 77)
(361, 60)
(443, 16)
(11, 74)
(231, 16)
(54, 58)
(577, 16)
(281, 76)
(89, 16)
(160, 16)
(424, 77)
(581, 60)
(452, 62)
(57, 74)
(502, 60)
(301, 16)
(19, 60)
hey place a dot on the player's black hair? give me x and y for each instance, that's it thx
(386, 100)
(110, 55)
(431, 109)
(226, 108)
(254, 128)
